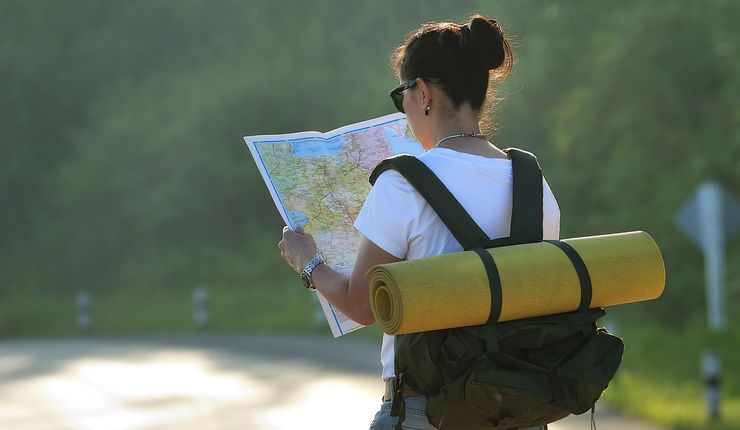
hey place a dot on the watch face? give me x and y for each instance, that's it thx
(306, 281)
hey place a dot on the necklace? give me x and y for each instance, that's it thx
(457, 135)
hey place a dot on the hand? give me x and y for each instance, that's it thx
(297, 248)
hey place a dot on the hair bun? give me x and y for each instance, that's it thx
(484, 39)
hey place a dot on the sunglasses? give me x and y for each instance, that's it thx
(397, 93)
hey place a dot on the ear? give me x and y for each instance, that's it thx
(425, 88)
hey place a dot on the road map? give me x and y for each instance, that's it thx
(320, 181)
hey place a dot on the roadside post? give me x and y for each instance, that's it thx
(200, 307)
(710, 218)
(712, 371)
(84, 311)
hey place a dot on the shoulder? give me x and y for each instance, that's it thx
(394, 193)
(388, 215)
(392, 181)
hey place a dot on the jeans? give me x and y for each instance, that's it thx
(416, 416)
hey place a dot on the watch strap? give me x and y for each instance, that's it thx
(308, 271)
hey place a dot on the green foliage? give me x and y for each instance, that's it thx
(661, 377)
(123, 172)
(126, 123)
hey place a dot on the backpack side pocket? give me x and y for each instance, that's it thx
(589, 372)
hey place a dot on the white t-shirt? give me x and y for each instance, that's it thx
(397, 219)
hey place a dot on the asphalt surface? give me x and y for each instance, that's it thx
(203, 382)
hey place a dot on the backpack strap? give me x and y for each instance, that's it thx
(526, 211)
(526, 206)
(449, 210)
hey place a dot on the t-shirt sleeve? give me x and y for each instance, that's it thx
(551, 214)
(389, 214)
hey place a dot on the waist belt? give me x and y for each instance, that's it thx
(391, 387)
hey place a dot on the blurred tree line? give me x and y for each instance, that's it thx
(122, 164)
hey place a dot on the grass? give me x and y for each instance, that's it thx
(26, 313)
(661, 381)
(137, 310)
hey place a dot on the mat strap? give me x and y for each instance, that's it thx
(494, 283)
(584, 279)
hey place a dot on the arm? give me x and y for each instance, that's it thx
(349, 295)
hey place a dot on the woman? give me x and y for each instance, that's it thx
(446, 71)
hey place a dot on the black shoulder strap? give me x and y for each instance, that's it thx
(526, 206)
(526, 220)
(449, 210)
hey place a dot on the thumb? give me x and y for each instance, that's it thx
(299, 229)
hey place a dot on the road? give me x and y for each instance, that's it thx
(202, 382)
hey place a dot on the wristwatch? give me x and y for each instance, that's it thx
(306, 273)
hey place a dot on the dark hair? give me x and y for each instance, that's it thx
(461, 55)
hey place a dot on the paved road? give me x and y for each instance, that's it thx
(201, 382)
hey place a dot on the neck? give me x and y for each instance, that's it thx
(468, 127)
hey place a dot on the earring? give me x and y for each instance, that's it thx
(426, 111)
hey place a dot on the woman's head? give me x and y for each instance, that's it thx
(465, 58)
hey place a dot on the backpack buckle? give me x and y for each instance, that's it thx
(397, 397)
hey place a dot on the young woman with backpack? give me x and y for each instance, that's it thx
(447, 76)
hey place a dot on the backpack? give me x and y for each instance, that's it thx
(498, 376)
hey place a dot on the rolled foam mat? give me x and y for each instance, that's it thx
(453, 290)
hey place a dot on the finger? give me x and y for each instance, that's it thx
(299, 229)
(286, 228)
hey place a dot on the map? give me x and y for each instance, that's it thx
(320, 180)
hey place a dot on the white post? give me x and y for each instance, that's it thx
(84, 308)
(200, 307)
(713, 241)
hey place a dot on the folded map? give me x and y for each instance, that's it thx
(320, 181)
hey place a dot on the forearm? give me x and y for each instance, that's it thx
(335, 287)
(349, 295)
